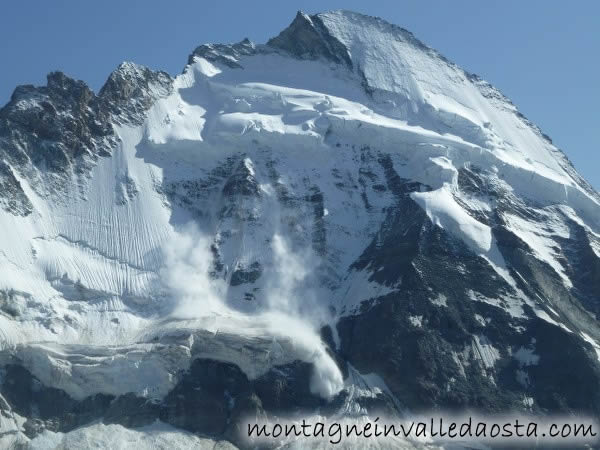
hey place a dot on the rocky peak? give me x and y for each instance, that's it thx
(226, 54)
(59, 84)
(242, 181)
(307, 37)
(61, 94)
(63, 116)
(49, 132)
(131, 89)
(63, 127)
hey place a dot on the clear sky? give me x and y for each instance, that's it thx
(544, 55)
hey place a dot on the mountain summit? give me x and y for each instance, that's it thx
(338, 222)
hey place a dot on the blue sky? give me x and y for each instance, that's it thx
(543, 55)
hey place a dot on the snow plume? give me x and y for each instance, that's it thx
(294, 311)
(288, 288)
(290, 314)
(289, 271)
(186, 275)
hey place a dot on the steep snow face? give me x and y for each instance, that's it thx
(410, 81)
(272, 190)
(422, 87)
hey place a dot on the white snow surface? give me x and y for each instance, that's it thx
(89, 272)
(157, 436)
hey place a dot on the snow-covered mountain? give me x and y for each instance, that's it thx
(338, 221)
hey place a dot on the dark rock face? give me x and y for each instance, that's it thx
(417, 362)
(243, 275)
(131, 90)
(241, 182)
(50, 134)
(131, 411)
(211, 398)
(286, 392)
(308, 38)
(55, 129)
(192, 193)
(583, 267)
(223, 53)
(432, 355)
(319, 234)
(566, 377)
(205, 399)
(436, 365)
(14, 200)
(44, 407)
